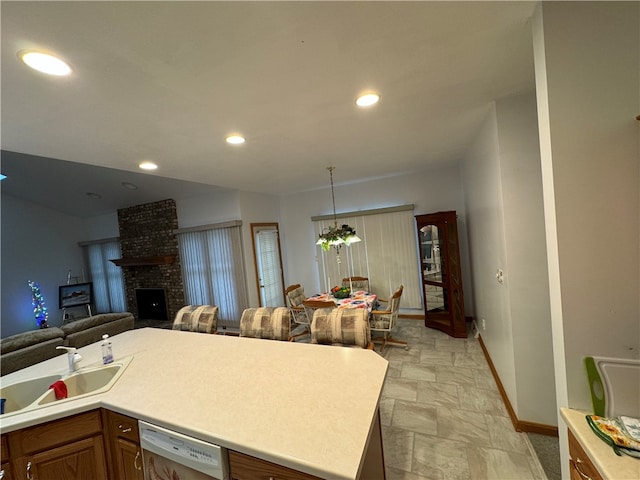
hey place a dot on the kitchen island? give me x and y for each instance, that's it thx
(308, 407)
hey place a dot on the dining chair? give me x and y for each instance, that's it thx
(347, 327)
(356, 283)
(310, 306)
(197, 318)
(271, 323)
(295, 296)
(384, 320)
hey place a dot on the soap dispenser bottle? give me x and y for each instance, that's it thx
(107, 352)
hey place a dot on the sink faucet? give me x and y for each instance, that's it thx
(73, 357)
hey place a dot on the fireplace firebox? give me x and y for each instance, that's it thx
(152, 304)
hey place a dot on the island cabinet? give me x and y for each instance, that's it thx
(71, 448)
(123, 446)
(246, 467)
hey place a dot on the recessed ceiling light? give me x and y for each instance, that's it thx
(367, 100)
(148, 166)
(129, 186)
(96, 196)
(45, 63)
(235, 139)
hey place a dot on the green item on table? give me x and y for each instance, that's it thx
(340, 292)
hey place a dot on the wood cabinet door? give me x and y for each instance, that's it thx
(246, 467)
(5, 468)
(7, 471)
(580, 465)
(441, 273)
(124, 445)
(79, 460)
(128, 460)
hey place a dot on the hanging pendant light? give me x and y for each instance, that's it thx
(334, 236)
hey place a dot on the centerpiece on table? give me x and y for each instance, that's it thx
(341, 292)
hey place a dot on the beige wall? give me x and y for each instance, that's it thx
(587, 78)
(503, 200)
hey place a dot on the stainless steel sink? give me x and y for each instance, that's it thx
(35, 393)
(22, 394)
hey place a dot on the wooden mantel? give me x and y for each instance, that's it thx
(145, 261)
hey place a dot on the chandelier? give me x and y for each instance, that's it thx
(334, 236)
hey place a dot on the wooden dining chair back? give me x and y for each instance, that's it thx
(266, 322)
(310, 306)
(347, 327)
(295, 295)
(384, 321)
(356, 283)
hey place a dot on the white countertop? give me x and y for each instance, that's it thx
(307, 407)
(602, 456)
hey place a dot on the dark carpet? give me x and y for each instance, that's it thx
(548, 451)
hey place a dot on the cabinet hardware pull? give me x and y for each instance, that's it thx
(124, 429)
(29, 476)
(135, 461)
(577, 465)
(1, 474)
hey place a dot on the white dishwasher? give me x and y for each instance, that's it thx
(169, 455)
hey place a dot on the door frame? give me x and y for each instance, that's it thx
(254, 228)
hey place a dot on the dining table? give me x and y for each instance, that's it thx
(358, 299)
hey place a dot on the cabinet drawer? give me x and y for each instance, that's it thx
(580, 464)
(58, 432)
(245, 467)
(122, 426)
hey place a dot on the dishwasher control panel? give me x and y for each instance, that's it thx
(180, 456)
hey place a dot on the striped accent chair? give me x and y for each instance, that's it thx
(271, 323)
(341, 326)
(197, 318)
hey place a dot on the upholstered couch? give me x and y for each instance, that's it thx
(27, 348)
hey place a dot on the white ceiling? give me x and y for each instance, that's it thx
(167, 81)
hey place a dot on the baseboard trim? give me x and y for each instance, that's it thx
(541, 428)
(519, 425)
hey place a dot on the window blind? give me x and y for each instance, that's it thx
(387, 254)
(107, 278)
(213, 271)
(269, 267)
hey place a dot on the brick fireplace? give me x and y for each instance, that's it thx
(150, 257)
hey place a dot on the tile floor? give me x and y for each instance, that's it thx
(442, 415)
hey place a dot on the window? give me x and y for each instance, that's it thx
(387, 254)
(108, 281)
(213, 270)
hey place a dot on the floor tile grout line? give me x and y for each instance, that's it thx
(468, 350)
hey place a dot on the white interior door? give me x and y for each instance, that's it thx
(266, 249)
